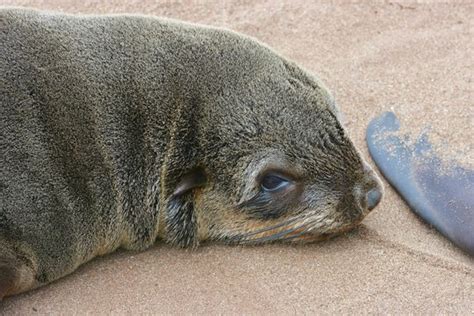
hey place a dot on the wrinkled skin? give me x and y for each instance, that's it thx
(122, 130)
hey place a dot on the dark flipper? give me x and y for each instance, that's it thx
(442, 193)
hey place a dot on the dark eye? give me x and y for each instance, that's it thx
(272, 183)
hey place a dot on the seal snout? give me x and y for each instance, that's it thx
(369, 191)
(373, 189)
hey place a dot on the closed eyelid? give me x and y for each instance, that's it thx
(278, 172)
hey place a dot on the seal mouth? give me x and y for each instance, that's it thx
(309, 237)
(293, 230)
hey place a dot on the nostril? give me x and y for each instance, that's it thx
(373, 198)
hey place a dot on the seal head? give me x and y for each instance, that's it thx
(267, 157)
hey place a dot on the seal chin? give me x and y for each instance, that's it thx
(309, 236)
(295, 231)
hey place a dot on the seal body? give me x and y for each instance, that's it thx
(117, 131)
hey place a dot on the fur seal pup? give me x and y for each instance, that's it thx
(117, 131)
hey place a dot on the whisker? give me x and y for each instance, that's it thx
(282, 233)
(296, 235)
(262, 230)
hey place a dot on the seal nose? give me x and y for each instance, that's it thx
(373, 198)
(373, 190)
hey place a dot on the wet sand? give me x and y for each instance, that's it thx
(412, 58)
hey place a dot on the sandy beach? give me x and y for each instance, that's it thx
(411, 57)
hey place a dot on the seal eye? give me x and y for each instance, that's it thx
(272, 183)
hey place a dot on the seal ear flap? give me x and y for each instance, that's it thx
(194, 179)
(181, 224)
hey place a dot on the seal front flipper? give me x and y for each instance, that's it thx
(442, 196)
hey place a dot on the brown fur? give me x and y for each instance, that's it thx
(121, 130)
